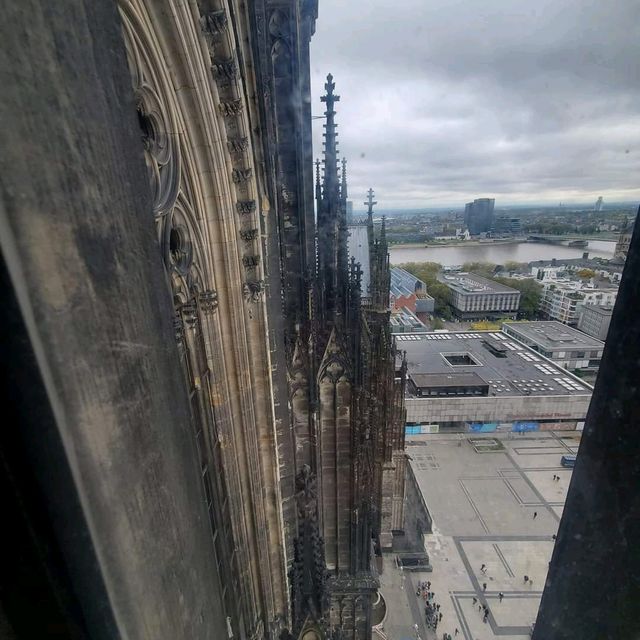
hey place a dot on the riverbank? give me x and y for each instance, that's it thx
(457, 243)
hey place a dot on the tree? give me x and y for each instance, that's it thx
(512, 265)
(437, 324)
(425, 271)
(530, 295)
(586, 273)
(485, 269)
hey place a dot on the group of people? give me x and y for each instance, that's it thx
(483, 608)
(432, 613)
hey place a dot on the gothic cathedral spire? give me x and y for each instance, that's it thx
(332, 222)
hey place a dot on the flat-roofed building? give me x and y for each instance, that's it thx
(404, 321)
(567, 347)
(594, 320)
(475, 297)
(486, 381)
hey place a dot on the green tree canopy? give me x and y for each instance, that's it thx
(428, 273)
(485, 269)
(530, 294)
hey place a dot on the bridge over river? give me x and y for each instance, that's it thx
(567, 241)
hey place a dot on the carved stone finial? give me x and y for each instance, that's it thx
(245, 206)
(225, 69)
(190, 314)
(231, 108)
(208, 301)
(237, 145)
(214, 22)
(250, 262)
(249, 234)
(253, 290)
(241, 175)
(178, 328)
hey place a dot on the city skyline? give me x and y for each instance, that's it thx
(444, 104)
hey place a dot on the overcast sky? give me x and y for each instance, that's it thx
(443, 101)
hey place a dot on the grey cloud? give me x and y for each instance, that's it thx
(443, 101)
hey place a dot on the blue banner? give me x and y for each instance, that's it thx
(525, 426)
(483, 427)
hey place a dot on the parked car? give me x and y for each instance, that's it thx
(568, 460)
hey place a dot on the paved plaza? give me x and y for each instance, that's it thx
(483, 507)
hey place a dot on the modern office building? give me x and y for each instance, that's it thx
(478, 215)
(475, 297)
(409, 292)
(485, 381)
(506, 225)
(567, 347)
(598, 205)
(594, 320)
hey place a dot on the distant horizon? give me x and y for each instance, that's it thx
(607, 206)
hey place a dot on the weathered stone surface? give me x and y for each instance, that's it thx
(78, 236)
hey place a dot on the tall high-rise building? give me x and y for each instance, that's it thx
(209, 416)
(598, 205)
(478, 215)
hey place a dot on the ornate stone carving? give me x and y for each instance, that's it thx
(214, 22)
(245, 206)
(279, 24)
(208, 301)
(224, 70)
(237, 145)
(308, 573)
(253, 290)
(288, 196)
(190, 314)
(178, 244)
(231, 108)
(249, 234)
(241, 175)
(178, 327)
(250, 262)
(306, 493)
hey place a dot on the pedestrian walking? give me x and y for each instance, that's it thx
(501, 596)
(456, 632)
(535, 515)
(553, 537)
(483, 568)
(484, 586)
(439, 616)
(526, 578)
(437, 607)
(428, 585)
(479, 608)
(475, 600)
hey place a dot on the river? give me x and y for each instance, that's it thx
(499, 253)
